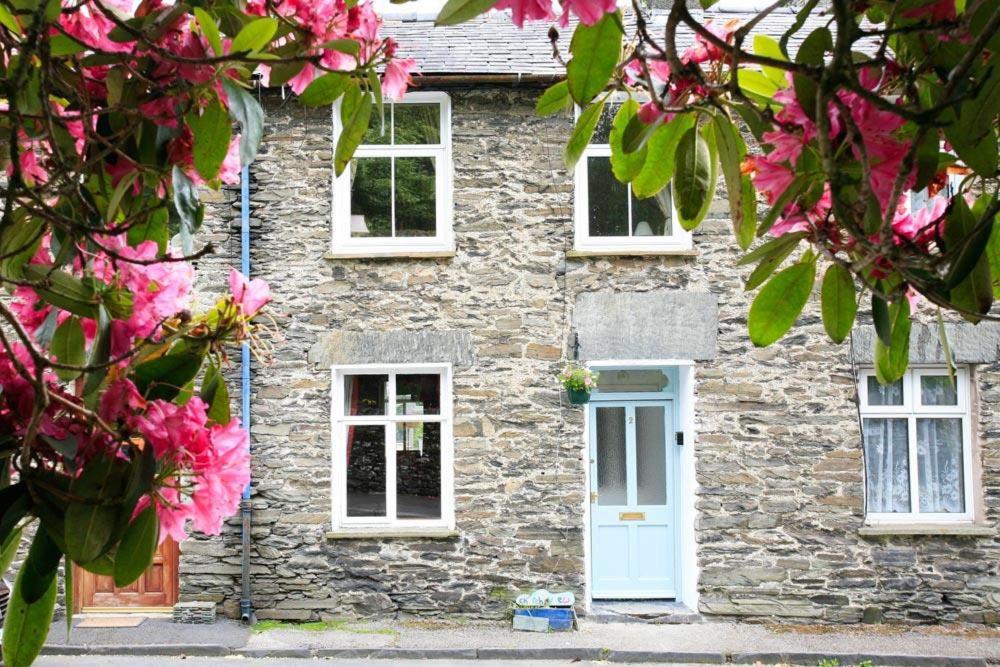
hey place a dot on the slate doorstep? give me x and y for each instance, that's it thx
(562, 653)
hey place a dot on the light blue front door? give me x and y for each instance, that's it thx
(633, 499)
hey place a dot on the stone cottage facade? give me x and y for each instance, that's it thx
(414, 454)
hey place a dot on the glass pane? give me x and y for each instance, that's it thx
(611, 475)
(651, 216)
(602, 132)
(939, 462)
(366, 470)
(371, 195)
(378, 133)
(887, 465)
(416, 209)
(633, 380)
(418, 394)
(651, 455)
(418, 470)
(417, 123)
(937, 390)
(365, 395)
(607, 199)
(890, 394)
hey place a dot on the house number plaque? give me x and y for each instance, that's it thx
(631, 516)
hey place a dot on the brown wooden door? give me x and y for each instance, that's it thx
(157, 587)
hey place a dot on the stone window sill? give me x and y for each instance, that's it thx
(389, 254)
(678, 252)
(380, 533)
(956, 529)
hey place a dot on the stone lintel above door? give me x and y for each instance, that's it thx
(664, 324)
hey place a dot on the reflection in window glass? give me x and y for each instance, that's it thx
(379, 132)
(607, 199)
(415, 201)
(366, 470)
(371, 197)
(937, 390)
(418, 470)
(887, 465)
(890, 394)
(418, 394)
(417, 124)
(939, 461)
(365, 395)
(651, 216)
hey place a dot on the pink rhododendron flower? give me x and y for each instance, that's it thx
(526, 10)
(921, 226)
(397, 78)
(704, 50)
(588, 11)
(251, 295)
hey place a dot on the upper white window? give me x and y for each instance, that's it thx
(917, 446)
(395, 197)
(608, 216)
(392, 447)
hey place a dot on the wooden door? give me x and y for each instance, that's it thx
(156, 588)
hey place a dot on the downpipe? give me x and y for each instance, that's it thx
(247, 616)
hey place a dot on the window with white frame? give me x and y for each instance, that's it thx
(395, 197)
(917, 446)
(608, 216)
(393, 453)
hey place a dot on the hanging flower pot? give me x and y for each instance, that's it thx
(578, 383)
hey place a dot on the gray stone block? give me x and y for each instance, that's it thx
(969, 343)
(393, 347)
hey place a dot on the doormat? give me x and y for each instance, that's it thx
(111, 622)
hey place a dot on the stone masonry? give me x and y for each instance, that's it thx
(778, 448)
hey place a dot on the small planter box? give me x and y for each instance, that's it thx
(545, 619)
(578, 396)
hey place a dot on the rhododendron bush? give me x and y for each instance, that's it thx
(115, 424)
(879, 101)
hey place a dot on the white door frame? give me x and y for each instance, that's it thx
(683, 402)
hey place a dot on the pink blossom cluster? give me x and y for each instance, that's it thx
(588, 11)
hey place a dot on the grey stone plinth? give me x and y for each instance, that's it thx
(393, 347)
(194, 612)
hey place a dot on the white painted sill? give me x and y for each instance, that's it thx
(389, 254)
(421, 532)
(666, 252)
(916, 528)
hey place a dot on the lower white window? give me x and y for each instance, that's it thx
(392, 447)
(917, 447)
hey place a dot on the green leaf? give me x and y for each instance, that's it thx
(69, 347)
(974, 292)
(811, 52)
(460, 11)
(186, 212)
(791, 193)
(754, 81)
(63, 290)
(164, 377)
(90, 521)
(8, 20)
(216, 395)
(18, 243)
(764, 45)
(209, 29)
(68, 593)
(891, 360)
(555, 99)
(348, 46)
(26, 624)
(695, 176)
(661, 153)
(979, 154)
(779, 303)
(965, 256)
(8, 549)
(212, 132)
(993, 258)
(355, 111)
(840, 302)
(595, 50)
(100, 352)
(625, 166)
(246, 111)
(254, 36)
(40, 567)
(325, 89)
(773, 254)
(800, 20)
(928, 157)
(61, 45)
(772, 247)
(582, 133)
(739, 189)
(137, 548)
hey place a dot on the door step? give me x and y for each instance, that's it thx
(642, 611)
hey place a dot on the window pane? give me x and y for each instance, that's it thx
(937, 390)
(890, 394)
(602, 132)
(418, 394)
(371, 195)
(417, 123)
(418, 470)
(365, 395)
(939, 462)
(416, 209)
(887, 465)
(607, 199)
(378, 132)
(366, 470)
(650, 455)
(651, 216)
(611, 476)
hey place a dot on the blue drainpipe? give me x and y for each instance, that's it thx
(246, 608)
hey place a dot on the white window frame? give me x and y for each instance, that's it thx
(444, 239)
(338, 427)
(680, 240)
(911, 410)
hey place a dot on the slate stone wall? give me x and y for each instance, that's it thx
(778, 445)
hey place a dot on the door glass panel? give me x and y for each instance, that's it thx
(887, 465)
(940, 466)
(418, 470)
(650, 455)
(937, 390)
(366, 470)
(611, 474)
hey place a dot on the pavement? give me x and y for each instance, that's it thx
(698, 643)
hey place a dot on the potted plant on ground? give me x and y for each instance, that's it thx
(579, 382)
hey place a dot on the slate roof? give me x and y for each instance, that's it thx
(491, 44)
